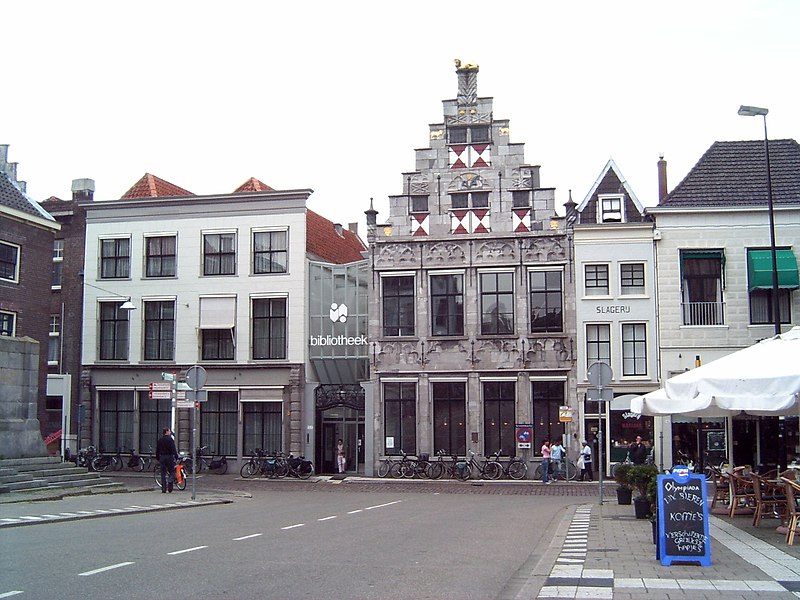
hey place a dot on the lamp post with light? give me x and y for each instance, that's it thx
(754, 111)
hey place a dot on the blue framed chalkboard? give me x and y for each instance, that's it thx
(683, 534)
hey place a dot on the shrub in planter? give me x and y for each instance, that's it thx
(642, 478)
(624, 490)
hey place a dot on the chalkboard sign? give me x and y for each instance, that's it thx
(683, 519)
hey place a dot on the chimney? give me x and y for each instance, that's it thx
(662, 178)
(338, 228)
(372, 216)
(353, 227)
(572, 213)
(467, 83)
(83, 189)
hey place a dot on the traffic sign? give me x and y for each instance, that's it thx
(597, 394)
(196, 377)
(599, 374)
(565, 414)
(524, 435)
(161, 395)
(167, 376)
(184, 404)
(160, 386)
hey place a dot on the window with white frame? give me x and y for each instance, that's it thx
(546, 301)
(217, 327)
(398, 305)
(8, 322)
(270, 252)
(598, 343)
(634, 349)
(115, 258)
(447, 304)
(610, 209)
(58, 264)
(114, 331)
(450, 416)
(400, 417)
(596, 280)
(161, 254)
(9, 262)
(54, 340)
(219, 253)
(497, 303)
(269, 328)
(631, 279)
(159, 330)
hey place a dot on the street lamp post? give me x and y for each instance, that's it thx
(754, 111)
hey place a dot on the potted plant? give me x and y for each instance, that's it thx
(624, 489)
(639, 479)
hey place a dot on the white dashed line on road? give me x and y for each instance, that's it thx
(382, 505)
(11, 593)
(247, 537)
(352, 512)
(104, 569)
(327, 518)
(187, 550)
(293, 526)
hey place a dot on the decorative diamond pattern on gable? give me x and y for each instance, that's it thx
(459, 221)
(420, 223)
(521, 219)
(463, 156)
(480, 220)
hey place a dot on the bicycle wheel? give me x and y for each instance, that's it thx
(100, 463)
(463, 471)
(517, 469)
(305, 470)
(572, 470)
(157, 475)
(537, 474)
(385, 467)
(435, 470)
(492, 470)
(139, 466)
(118, 463)
(248, 469)
(221, 467)
(181, 485)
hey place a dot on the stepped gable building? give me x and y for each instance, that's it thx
(26, 244)
(471, 302)
(715, 283)
(615, 288)
(222, 281)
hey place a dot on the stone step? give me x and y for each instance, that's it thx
(14, 463)
(87, 483)
(57, 472)
(30, 484)
(15, 478)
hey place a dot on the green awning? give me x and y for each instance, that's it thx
(759, 269)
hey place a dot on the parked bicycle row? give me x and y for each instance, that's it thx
(492, 467)
(276, 464)
(90, 458)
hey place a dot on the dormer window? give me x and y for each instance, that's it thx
(470, 200)
(419, 204)
(610, 209)
(521, 199)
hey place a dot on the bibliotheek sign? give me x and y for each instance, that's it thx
(338, 340)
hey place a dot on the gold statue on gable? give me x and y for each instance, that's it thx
(465, 66)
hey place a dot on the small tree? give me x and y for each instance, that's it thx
(622, 474)
(639, 478)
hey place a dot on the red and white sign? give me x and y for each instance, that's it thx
(160, 395)
(161, 386)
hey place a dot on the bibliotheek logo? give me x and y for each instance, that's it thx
(338, 312)
(338, 340)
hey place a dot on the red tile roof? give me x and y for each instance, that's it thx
(324, 243)
(150, 186)
(253, 185)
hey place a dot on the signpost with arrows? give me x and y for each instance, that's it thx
(195, 379)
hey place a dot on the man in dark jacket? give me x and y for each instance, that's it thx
(638, 451)
(166, 454)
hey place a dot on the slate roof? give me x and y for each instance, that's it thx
(734, 174)
(253, 185)
(150, 186)
(323, 242)
(12, 197)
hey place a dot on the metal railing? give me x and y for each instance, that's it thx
(703, 313)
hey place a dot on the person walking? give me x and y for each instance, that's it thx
(556, 456)
(341, 461)
(166, 455)
(638, 451)
(546, 462)
(586, 455)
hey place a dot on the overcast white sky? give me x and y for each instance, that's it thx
(335, 96)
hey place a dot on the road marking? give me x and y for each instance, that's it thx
(247, 537)
(382, 505)
(187, 550)
(293, 526)
(103, 569)
(11, 593)
(327, 518)
(352, 512)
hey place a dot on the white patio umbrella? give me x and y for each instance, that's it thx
(763, 379)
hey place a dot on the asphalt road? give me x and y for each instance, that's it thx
(290, 544)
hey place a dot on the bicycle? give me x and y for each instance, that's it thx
(567, 472)
(104, 462)
(177, 476)
(386, 466)
(515, 469)
(135, 462)
(299, 467)
(252, 466)
(215, 465)
(405, 467)
(488, 469)
(712, 469)
(438, 468)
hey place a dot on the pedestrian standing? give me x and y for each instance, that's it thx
(586, 455)
(341, 461)
(166, 455)
(556, 456)
(546, 462)
(638, 451)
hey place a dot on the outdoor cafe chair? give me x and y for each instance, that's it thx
(722, 492)
(770, 498)
(792, 489)
(742, 495)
